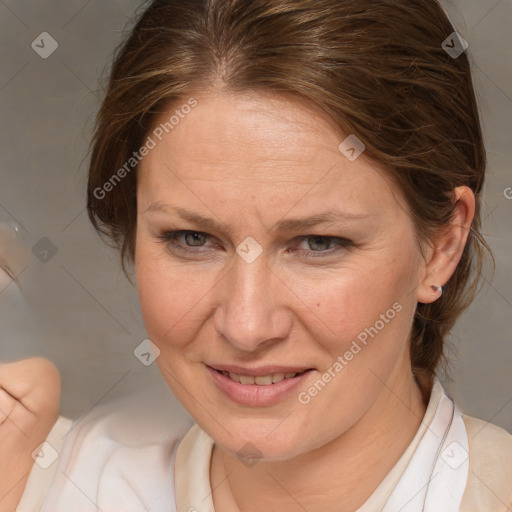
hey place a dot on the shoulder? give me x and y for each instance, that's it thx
(489, 486)
(119, 451)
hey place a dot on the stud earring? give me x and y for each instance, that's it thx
(437, 289)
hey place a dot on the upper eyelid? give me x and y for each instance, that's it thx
(181, 232)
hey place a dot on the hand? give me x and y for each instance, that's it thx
(29, 405)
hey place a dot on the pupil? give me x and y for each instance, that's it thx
(320, 239)
(194, 238)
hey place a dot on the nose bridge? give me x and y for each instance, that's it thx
(251, 311)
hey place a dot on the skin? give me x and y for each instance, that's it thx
(29, 388)
(249, 161)
(29, 404)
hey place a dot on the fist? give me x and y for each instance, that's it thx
(29, 407)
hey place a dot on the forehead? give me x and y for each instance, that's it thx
(258, 144)
(251, 129)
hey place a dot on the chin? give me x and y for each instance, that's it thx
(264, 439)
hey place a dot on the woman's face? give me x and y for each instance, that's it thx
(251, 286)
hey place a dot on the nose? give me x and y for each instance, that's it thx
(252, 313)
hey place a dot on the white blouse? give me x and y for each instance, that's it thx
(135, 457)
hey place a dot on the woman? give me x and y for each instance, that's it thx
(298, 186)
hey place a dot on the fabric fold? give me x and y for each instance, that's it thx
(154, 458)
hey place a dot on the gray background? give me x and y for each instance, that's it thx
(77, 308)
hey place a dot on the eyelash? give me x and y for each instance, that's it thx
(168, 238)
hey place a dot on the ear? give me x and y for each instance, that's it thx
(444, 256)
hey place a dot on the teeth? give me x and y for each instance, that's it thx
(246, 379)
(262, 380)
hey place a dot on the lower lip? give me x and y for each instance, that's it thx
(255, 395)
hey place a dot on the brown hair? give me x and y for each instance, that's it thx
(377, 67)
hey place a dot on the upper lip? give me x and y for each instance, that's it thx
(259, 371)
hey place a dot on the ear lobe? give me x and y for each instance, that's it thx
(448, 247)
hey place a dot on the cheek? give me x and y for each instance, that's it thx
(343, 306)
(362, 323)
(364, 312)
(335, 307)
(172, 298)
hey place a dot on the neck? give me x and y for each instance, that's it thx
(340, 476)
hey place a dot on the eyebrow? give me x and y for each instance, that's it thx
(290, 224)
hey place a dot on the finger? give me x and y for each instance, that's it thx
(7, 404)
(34, 382)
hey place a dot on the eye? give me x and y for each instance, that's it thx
(194, 242)
(320, 245)
(192, 239)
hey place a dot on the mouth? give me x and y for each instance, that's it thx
(266, 388)
(261, 380)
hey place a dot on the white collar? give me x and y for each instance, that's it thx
(433, 480)
(128, 460)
